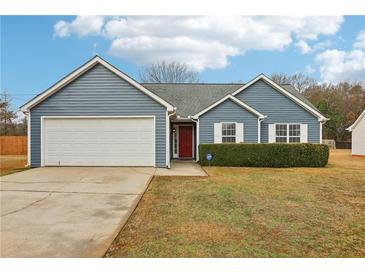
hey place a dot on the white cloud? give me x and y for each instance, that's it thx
(313, 26)
(196, 54)
(200, 41)
(309, 69)
(339, 65)
(360, 40)
(81, 26)
(322, 45)
(336, 65)
(303, 47)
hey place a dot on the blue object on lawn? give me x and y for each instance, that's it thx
(209, 157)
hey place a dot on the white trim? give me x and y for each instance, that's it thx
(303, 133)
(353, 126)
(193, 141)
(177, 129)
(320, 132)
(167, 140)
(94, 61)
(282, 90)
(271, 133)
(217, 133)
(42, 127)
(234, 99)
(240, 132)
(259, 130)
(182, 120)
(42, 140)
(175, 155)
(197, 140)
(28, 142)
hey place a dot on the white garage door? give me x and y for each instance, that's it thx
(98, 141)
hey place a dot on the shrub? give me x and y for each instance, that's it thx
(265, 155)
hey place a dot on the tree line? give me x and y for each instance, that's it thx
(342, 103)
(10, 122)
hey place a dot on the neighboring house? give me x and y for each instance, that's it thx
(358, 135)
(99, 116)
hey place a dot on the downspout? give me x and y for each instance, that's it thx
(320, 132)
(321, 122)
(168, 150)
(259, 120)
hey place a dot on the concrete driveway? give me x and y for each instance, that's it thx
(67, 211)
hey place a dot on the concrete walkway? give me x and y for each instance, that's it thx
(182, 168)
(67, 211)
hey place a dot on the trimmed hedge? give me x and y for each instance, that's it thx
(265, 155)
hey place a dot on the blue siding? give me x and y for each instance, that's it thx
(227, 111)
(279, 109)
(99, 92)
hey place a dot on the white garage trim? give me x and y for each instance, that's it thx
(29, 137)
(167, 140)
(43, 118)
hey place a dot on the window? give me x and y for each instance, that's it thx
(228, 132)
(281, 131)
(294, 133)
(287, 133)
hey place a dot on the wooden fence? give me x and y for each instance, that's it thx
(343, 145)
(13, 145)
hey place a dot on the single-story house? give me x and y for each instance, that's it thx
(99, 116)
(358, 135)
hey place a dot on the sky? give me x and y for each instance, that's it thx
(37, 51)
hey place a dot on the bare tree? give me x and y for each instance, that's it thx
(299, 80)
(163, 72)
(7, 115)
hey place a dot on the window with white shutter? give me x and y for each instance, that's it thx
(288, 133)
(239, 133)
(228, 132)
(303, 133)
(217, 133)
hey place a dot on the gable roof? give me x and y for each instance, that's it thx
(190, 99)
(201, 95)
(289, 94)
(235, 100)
(187, 98)
(83, 69)
(353, 126)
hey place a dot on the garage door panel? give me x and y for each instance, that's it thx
(99, 141)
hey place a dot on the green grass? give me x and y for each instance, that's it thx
(252, 212)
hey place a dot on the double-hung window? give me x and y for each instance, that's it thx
(228, 132)
(281, 133)
(287, 133)
(294, 133)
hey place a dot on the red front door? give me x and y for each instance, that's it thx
(185, 141)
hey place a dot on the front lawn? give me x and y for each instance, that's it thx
(252, 212)
(12, 163)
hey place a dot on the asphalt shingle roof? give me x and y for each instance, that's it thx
(191, 98)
